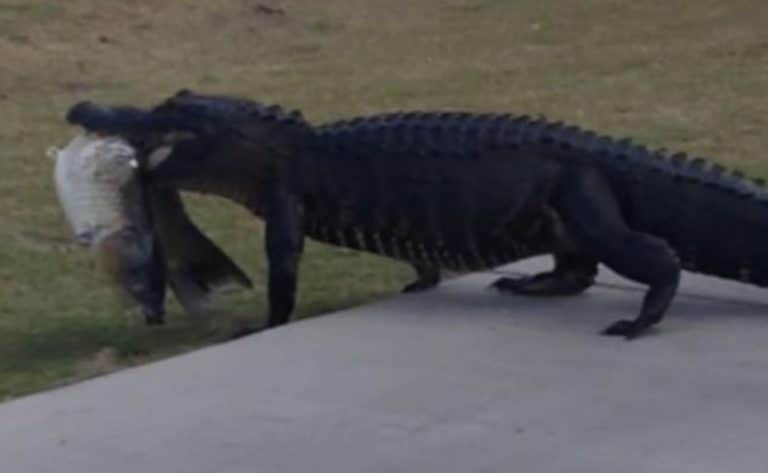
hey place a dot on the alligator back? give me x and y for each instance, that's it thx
(462, 164)
(428, 188)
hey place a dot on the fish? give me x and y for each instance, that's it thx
(99, 190)
(140, 233)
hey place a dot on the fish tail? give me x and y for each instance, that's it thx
(196, 266)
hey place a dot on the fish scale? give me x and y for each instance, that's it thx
(87, 172)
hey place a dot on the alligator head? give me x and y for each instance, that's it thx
(205, 143)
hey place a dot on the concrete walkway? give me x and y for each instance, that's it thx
(458, 380)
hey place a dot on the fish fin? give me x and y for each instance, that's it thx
(193, 297)
(196, 265)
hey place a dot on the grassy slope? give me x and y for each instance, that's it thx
(683, 75)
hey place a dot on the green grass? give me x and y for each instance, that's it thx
(683, 75)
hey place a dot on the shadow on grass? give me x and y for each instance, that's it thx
(67, 348)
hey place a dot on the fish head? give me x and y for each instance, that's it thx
(132, 260)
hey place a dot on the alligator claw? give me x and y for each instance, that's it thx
(628, 329)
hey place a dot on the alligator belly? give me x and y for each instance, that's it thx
(428, 252)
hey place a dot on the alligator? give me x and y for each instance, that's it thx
(456, 191)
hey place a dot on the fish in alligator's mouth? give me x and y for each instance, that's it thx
(141, 233)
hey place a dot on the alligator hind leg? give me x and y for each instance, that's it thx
(648, 260)
(427, 278)
(592, 215)
(573, 274)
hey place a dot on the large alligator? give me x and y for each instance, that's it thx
(458, 191)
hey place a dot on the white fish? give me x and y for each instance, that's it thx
(99, 188)
(142, 233)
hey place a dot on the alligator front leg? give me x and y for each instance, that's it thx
(427, 278)
(284, 244)
(574, 273)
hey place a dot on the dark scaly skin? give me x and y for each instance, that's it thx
(463, 192)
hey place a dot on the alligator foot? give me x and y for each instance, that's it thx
(428, 277)
(624, 328)
(574, 273)
(545, 284)
(655, 303)
(594, 218)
